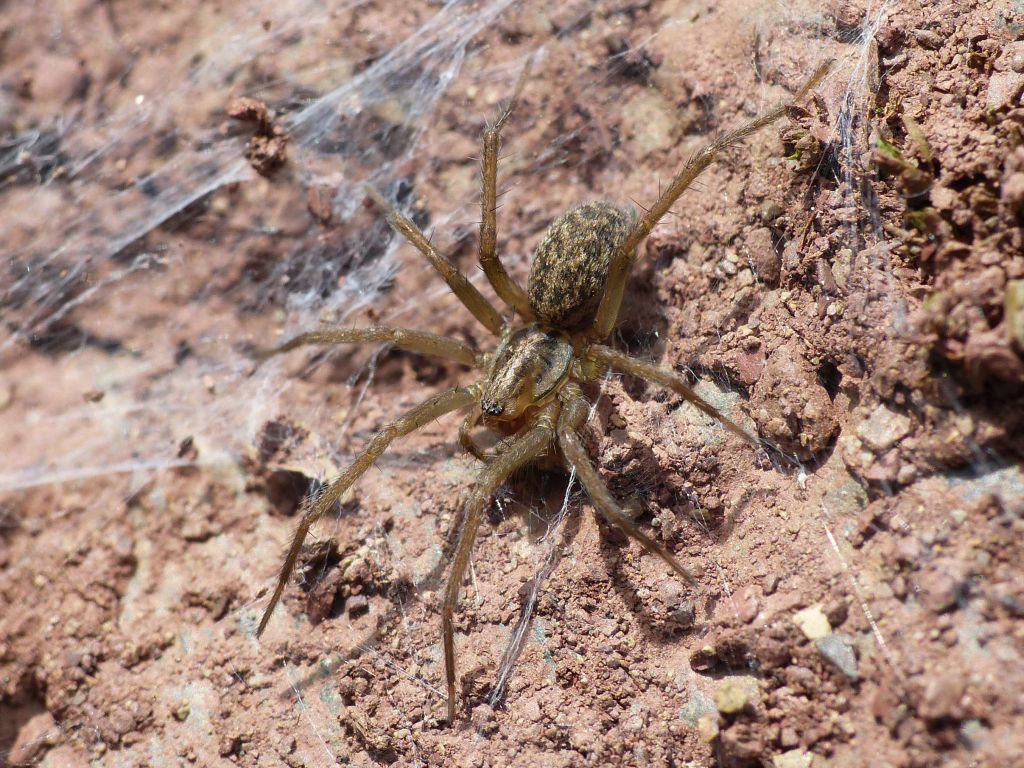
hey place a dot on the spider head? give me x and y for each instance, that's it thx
(529, 367)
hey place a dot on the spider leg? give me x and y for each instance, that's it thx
(522, 450)
(469, 443)
(625, 255)
(467, 293)
(623, 363)
(506, 288)
(414, 341)
(572, 417)
(314, 507)
(466, 436)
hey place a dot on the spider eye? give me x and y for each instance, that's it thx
(492, 408)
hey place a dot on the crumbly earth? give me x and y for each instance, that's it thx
(850, 283)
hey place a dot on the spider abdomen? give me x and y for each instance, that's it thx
(570, 266)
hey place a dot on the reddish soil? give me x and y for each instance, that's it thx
(849, 283)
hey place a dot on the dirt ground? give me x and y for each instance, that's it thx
(849, 283)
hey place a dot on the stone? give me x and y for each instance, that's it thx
(813, 622)
(736, 694)
(258, 680)
(1005, 88)
(744, 605)
(531, 711)
(763, 256)
(883, 428)
(33, 741)
(928, 38)
(838, 649)
(938, 590)
(1012, 193)
(908, 551)
(730, 699)
(1013, 306)
(698, 705)
(707, 728)
(906, 474)
(795, 758)
(683, 614)
(357, 605)
(942, 695)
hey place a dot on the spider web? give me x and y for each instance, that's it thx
(75, 284)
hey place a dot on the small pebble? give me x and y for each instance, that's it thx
(707, 728)
(908, 551)
(762, 254)
(938, 591)
(745, 605)
(531, 711)
(812, 622)
(795, 758)
(697, 707)
(257, 681)
(357, 605)
(973, 732)
(483, 719)
(883, 428)
(926, 38)
(1013, 306)
(730, 699)
(906, 474)
(736, 694)
(942, 695)
(684, 614)
(838, 648)
(1004, 88)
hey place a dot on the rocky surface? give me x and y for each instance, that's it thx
(847, 283)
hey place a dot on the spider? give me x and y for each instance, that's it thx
(530, 388)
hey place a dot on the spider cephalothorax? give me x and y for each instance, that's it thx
(531, 385)
(528, 369)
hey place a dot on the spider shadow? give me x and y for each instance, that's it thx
(399, 597)
(536, 495)
(287, 489)
(550, 503)
(539, 495)
(643, 323)
(663, 630)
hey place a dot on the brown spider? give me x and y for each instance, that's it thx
(531, 386)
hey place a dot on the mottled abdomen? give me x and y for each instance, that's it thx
(570, 266)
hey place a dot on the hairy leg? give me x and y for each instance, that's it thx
(625, 254)
(314, 508)
(510, 292)
(468, 294)
(414, 341)
(466, 437)
(623, 363)
(519, 452)
(569, 441)
(469, 443)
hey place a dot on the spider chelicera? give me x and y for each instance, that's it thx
(530, 388)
